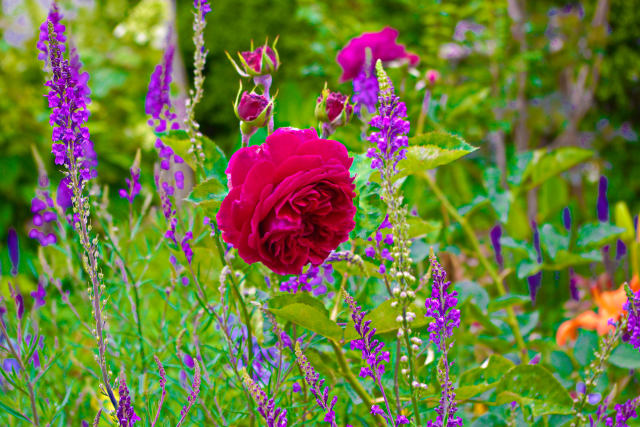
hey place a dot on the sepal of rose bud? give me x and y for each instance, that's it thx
(253, 110)
(333, 108)
(260, 61)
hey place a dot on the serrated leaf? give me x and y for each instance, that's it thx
(304, 310)
(479, 380)
(597, 234)
(208, 194)
(546, 164)
(534, 388)
(383, 318)
(431, 150)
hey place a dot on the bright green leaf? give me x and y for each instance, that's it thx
(306, 311)
(597, 234)
(431, 150)
(546, 164)
(479, 380)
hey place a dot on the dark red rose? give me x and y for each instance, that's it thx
(251, 105)
(290, 200)
(383, 46)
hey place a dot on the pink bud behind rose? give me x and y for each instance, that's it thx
(251, 105)
(432, 76)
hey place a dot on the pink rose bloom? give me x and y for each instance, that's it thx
(383, 46)
(290, 200)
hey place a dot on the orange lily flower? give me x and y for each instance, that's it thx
(609, 307)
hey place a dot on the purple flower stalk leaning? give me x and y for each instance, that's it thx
(603, 202)
(158, 103)
(372, 353)
(624, 411)
(312, 378)
(163, 383)
(133, 183)
(365, 91)
(275, 417)
(441, 306)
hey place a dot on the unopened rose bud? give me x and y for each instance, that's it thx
(260, 61)
(432, 76)
(332, 110)
(254, 111)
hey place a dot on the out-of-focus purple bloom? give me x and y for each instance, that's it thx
(312, 280)
(14, 250)
(381, 45)
(188, 361)
(453, 51)
(573, 285)
(296, 387)
(9, 365)
(275, 417)
(186, 247)
(401, 420)
(627, 132)
(603, 202)
(376, 410)
(64, 194)
(495, 234)
(535, 359)
(534, 281)
(566, 218)
(365, 91)
(39, 294)
(19, 301)
(125, 413)
(594, 398)
(391, 140)
(621, 249)
(464, 26)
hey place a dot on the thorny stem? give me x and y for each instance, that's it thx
(511, 317)
(23, 373)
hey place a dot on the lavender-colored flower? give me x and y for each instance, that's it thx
(372, 353)
(275, 417)
(566, 218)
(19, 301)
(44, 212)
(191, 399)
(632, 333)
(391, 140)
(126, 415)
(603, 202)
(14, 250)
(573, 285)
(495, 234)
(441, 306)
(39, 294)
(315, 384)
(535, 281)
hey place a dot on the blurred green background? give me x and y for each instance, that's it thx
(120, 41)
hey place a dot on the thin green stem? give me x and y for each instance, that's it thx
(511, 317)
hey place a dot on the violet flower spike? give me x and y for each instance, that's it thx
(441, 306)
(193, 396)
(312, 378)
(631, 334)
(163, 383)
(14, 251)
(274, 416)
(371, 349)
(535, 280)
(495, 234)
(125, 414)
(603, 202)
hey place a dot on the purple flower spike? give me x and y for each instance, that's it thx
(534, 282)
(573, 285)
(19, 305)
(315, 384)
(603, 202)
(536, 240)
(632, 334)
(495, 234)
(621, 250)
(133, 185)
(125, 413)
(202, 5)
(365, 91)
(275, 417)
(566, 218)
(14, 250)
(625, 411)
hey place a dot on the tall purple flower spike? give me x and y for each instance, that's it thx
(535, 280)
(566, 218)
(603, 202)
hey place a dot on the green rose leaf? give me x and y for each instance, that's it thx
(431, 150)
(535, 389)
(306, 311)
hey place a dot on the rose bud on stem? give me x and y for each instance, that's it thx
(258, 63)
(332, 111)
(254, 111)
